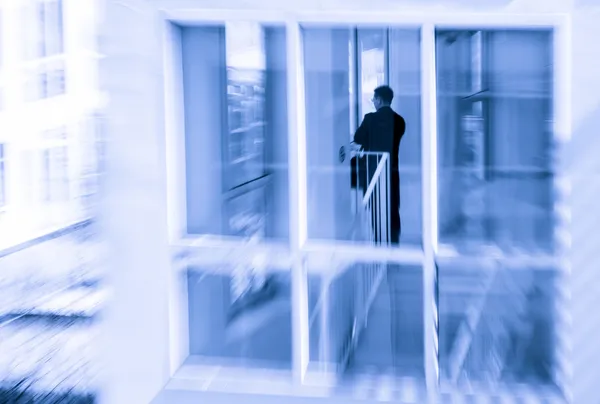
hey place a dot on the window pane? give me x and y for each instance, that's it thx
(372, 52)
(246, 65)
(496, 176)
(235, 87)
(338, 207)
(388, 346)
(55, 174)
(498, 321)
(53, 34)
(405, 80)
(55, 79)
(234, 320)
(42, 26)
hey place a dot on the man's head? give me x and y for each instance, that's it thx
(383, 97)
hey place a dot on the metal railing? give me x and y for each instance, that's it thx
(348, 294)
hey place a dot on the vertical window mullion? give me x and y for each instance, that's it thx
(561, 115)
(297, 199)
(359, 77)
(429, 204)
(354, 82)
(386, 56)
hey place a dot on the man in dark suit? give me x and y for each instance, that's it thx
(381, 131)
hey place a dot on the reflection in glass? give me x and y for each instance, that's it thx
(252, 332)
(497, 322)
(372, 47)
(366, 318)
(247, 216)
(246, 67)
(235, 86)
(331, 105)
(494, 145)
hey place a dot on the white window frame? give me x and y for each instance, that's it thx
(3, 177)
(36, 66)
(50, 183)
(298, 246)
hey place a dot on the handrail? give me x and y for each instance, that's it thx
(360, 280)
(378, 171)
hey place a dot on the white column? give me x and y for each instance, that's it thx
(429, 209)
(135, 344)
(176, 189)
(563, 228)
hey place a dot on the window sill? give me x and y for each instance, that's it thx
(198, 381)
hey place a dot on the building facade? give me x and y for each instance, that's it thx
(49, 116)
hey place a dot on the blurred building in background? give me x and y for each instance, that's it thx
(50, 116)
(51, 160)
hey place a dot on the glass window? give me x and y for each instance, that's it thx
(494, 145)
(43, 37)
(27, 160)
(234, 320)
(373, 56)
(55, 174)
(46, 81)
(497, 321)
(246, 66)
(388, 295)
(50, 27)
(235, 104)
(55, 79)
(338, 206)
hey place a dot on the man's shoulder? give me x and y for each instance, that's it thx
(399, 117)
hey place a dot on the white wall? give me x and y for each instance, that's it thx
(583, 166)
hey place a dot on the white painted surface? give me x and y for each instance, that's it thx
(136, 347)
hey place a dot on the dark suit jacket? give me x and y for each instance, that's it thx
(381, 131)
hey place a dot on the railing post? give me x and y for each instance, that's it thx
(389, 207)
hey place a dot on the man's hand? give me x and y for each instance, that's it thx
(355, 147)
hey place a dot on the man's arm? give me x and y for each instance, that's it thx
(362, 133)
